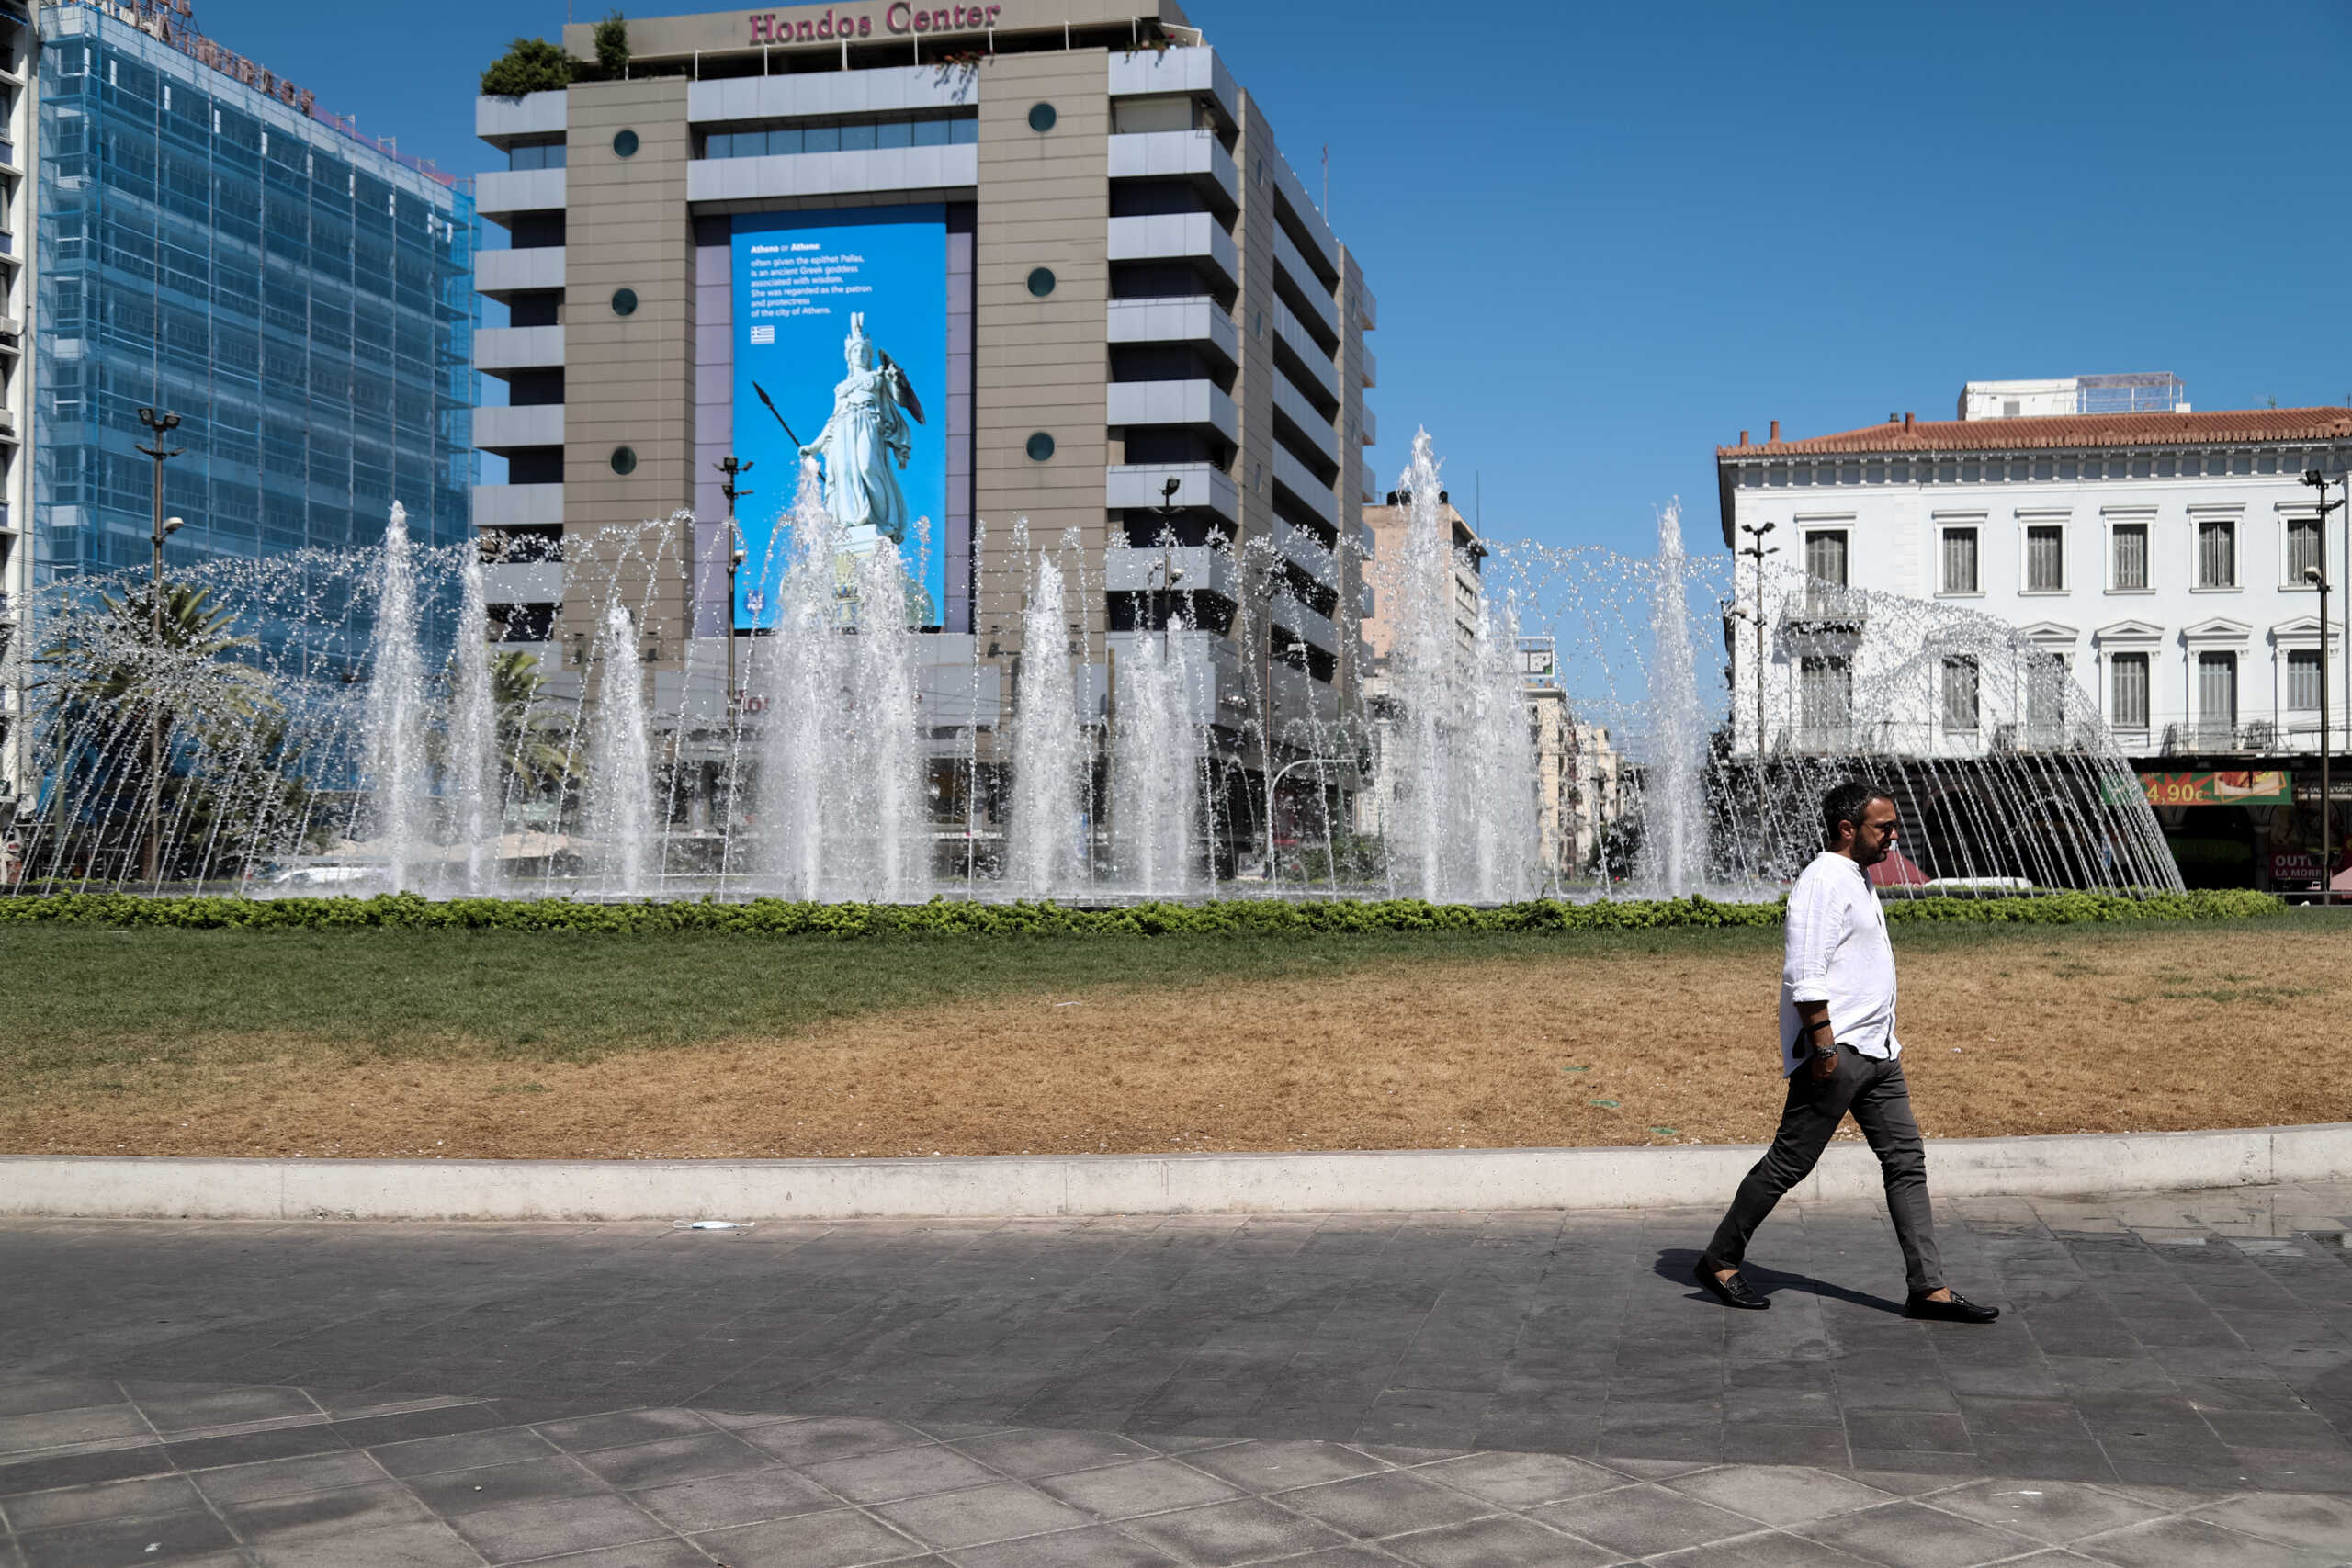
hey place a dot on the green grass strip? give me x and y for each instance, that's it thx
(1241, 917)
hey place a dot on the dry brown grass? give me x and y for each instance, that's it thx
(2075, 1030)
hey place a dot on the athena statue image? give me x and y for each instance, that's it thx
(868, 428)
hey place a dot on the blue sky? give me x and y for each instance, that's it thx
(1605, 238)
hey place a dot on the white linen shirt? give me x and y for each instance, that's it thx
(1837, 953)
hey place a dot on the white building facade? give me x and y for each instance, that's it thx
(2161, 560)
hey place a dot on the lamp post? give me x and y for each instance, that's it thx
(1757, 550)
(729, 470)
(1273, 792)
(164, 528)
(2317, 577)
(1168, 571)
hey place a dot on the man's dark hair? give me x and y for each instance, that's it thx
(1847, 803)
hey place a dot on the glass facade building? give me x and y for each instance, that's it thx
(301, 296)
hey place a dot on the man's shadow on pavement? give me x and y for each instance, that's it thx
(1675, 1263)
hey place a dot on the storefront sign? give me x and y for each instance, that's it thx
(899, 19)
(2293, 868)
(2268, 786)
(171, 22)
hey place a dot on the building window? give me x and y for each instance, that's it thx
(2128, 691)
(2045, 558)
(1960, 561)
(546, 155)
(2217, 697)
(1960, 693)
(1824, 555)
(2302, 679)
(2045, 698)
(2217, 552)
(885, 134)
(1825, 696)
(2304, 549)
(2130, 549)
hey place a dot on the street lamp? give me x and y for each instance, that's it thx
(1169, 572)
(2317, 577)
(729, 470)
(1757, 550)
(164, 528)
(1273, 792)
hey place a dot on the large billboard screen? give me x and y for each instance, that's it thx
(840, 349)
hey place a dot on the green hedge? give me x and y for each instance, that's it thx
(1242, 917)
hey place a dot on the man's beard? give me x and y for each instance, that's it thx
(1868, 856)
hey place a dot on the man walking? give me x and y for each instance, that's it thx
(1839, 1054)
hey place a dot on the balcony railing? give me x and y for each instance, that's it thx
(1893, 738)
(2198, 737)
(1825, 605)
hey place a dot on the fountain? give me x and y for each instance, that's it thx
(1047, 852)
(396, 713)
(620, 768)
(843, 778)
(473, 775)
(1673, 808)
(1453, 778)
(303, 745)
(1156, 761)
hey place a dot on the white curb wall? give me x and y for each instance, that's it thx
(1377, 1181)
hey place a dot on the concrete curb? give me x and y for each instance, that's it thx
(1375, 1181)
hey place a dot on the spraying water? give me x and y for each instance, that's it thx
(1674, 803)
(1049, 762)
(843, 774)
(296, 684)
(472, 776)
(621, 765)
(395, 728)
(1156, 766)
(1455, 779)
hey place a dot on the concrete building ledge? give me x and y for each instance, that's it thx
(1370, 1181)
(534, 114)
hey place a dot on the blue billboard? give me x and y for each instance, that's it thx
(840, 353)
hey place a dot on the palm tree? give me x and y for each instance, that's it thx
(136, 655)
(533, 734)
(118, 667)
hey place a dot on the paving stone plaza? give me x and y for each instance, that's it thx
(2171, 1384)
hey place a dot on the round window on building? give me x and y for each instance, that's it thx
(1041, 446)
(1041, 117)
(624, 460)
(624, 143)
(624, 301)
(1041, 281)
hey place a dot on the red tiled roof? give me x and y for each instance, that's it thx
(2068, 430)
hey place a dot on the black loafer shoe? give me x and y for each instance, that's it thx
(1731, 1293)
(1960, 1309)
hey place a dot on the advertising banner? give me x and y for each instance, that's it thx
(2263, 787)
(841, 351)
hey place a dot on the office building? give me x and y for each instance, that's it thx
(213, 242)
(2163, 562)
(1117, 310)
(207, 238)
(17, 45)
(1580, 774)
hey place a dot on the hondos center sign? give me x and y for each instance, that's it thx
(898, 20)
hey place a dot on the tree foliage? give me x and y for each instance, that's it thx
(531, 65)
(612, 46)
(224, 775)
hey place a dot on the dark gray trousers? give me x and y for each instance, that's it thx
(1874, 1092)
